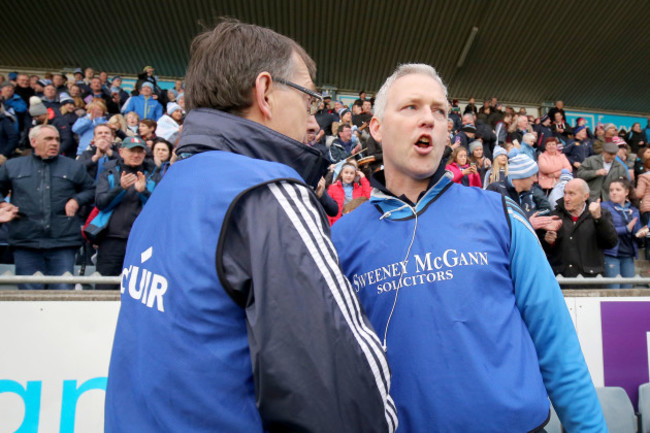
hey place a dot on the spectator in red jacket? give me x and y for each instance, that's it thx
(464, 173)
(351, 183)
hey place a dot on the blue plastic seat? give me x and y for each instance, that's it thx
(617, 407)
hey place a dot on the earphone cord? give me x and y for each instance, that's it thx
(399, 283)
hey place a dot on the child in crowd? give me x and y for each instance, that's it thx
(349, 184)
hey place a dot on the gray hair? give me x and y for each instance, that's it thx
(529, 135)
(583, 184)
(36, 130)
(401, 71)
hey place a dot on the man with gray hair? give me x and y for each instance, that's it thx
(577, 248)
(48, 190)
(239, 318)
(476, 336)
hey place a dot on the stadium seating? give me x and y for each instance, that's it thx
(618, 410)
(644, 407)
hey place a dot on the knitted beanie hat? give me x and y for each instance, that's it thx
(521, 166)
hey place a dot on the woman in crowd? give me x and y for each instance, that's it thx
(636, 138)
(464, 173)
(477, 157)
(620, 259)
(84, 126)
(345, 116)
(551, 162)
(147, 130)
(162, 154)
(169, 125)
(350, 184)
(118, 124)
(499, 169)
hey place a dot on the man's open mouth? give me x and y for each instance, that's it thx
(423, 143)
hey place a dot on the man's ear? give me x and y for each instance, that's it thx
(375, 129)
(262, 95)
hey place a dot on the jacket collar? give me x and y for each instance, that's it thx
(206, 129)
(394, 207)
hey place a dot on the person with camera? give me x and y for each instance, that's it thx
(463, 172)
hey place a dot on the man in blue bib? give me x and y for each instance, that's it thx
(235, 315)
(456, 284)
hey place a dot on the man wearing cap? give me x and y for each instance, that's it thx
(465, 135)
(48, 190)
(39, 87)
(78, 75)
(116, 87)
(600, 170)
(144, 104)
(454, 280)
(64, 123)
(123, 188)
(543, 130)
(520, 185)
(577, 247)
(578, 149)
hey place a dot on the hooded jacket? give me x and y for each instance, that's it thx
(238, 318)
(475, 335)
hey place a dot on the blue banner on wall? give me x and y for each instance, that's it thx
(594, 119)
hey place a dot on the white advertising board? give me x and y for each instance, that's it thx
(55, 355)
(53, 365)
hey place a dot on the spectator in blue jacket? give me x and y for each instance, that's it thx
(144, 104)
(13, 103)
(475, 344)
(85, 125)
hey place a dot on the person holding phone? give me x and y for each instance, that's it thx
(464, 173)
(351, 183)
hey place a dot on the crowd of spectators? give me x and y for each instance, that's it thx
(125, 142)
(76, 153)
(529, 160)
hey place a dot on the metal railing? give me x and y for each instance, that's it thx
(88, 280)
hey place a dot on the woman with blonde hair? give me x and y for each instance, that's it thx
(118, 125)
(499, 169)
(85, 125)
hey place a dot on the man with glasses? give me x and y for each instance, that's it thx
(235, 315)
